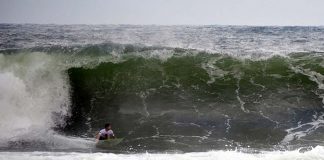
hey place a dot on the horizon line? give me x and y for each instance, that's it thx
(98, 24)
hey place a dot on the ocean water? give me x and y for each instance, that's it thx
(172, 92)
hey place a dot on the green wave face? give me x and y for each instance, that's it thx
(199, 101)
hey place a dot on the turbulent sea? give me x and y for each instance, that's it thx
(172, 92)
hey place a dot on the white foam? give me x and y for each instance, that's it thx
(305, 129)
(213, 71)
(237, 91)
(316, 153)
(33, 89)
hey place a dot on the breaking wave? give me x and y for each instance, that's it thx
(159, 98)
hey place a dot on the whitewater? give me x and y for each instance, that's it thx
(173, 92)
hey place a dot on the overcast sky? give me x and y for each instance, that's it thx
(166, 12)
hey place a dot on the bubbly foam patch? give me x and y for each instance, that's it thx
(316, 153)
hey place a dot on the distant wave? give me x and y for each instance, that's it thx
(233, 40)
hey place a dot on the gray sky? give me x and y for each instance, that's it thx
(166, 12)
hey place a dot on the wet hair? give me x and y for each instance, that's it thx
(107, 125)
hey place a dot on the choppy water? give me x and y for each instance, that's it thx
(173, 91)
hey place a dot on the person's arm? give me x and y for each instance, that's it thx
(97, 136)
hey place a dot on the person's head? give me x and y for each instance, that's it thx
(107, 126)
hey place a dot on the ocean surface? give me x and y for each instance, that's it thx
(172, 92)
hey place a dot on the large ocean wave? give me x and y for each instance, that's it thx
(159, 98)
